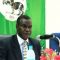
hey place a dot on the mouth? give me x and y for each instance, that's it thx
(26, 35)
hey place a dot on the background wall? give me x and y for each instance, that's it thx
(36, 10)
(52, 14)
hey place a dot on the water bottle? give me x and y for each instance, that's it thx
(30, 53)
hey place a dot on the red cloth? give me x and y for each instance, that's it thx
(57, 57)
(49, 51)
(43, 58)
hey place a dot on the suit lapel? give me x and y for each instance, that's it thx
(32, 42)
(16, 48)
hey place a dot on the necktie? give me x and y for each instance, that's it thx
(25, 49)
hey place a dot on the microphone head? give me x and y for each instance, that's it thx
(39, 37)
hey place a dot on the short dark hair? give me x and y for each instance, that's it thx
(22, 17)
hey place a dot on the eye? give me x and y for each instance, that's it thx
(29, 26)
(24, 26)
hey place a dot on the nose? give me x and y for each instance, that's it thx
(27, 29)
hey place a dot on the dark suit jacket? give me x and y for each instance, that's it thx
(10, 49)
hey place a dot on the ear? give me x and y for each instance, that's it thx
(17, 26)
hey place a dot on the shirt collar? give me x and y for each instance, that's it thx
(20, 40)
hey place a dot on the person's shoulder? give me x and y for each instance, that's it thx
(35, 40)
(6, 40)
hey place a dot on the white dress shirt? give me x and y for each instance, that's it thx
(21, 41)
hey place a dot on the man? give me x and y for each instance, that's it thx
(10, 48)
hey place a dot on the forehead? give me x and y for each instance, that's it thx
(26, 21)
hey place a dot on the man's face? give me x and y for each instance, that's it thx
(24, 29)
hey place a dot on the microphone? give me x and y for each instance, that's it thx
(38, 37)
(46, 36)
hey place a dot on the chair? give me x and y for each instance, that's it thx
(4, 36)
(54, 42)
